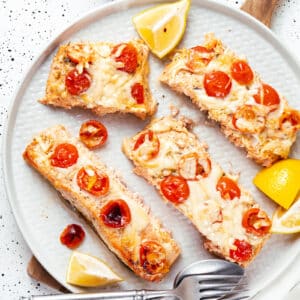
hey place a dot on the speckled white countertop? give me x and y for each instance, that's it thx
(25, 28)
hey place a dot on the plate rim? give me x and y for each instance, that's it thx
(78, 23)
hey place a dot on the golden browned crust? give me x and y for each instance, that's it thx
(266, 160)
(266, 147)
(57, 95)
(123, 242)
(214, 249)
(178, 127)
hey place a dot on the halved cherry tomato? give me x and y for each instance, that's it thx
(137, 93)
(72, 236)
(175, 189)
(92, 181)
(79, 53)
(241, 72)
(202, 49)
(256, 221)
(217, 84)
(116, 214)
(147, 145)
(128, 56)
(249, 119)
(93, 134)
(65, 155)
(267, 96)
(153, 257)
(228, 188)
(191, 166)
(198, 58)
(290, 120)
(242, 252)
(77, 83)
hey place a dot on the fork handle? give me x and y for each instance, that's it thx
(133, 295)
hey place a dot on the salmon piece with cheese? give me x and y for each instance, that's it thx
(251, 113)
(103, 77)
(172, 159)
(119, 216)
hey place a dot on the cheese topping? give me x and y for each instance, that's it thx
(109, 86)
(133, 234)
(218, 219)
(272, 138)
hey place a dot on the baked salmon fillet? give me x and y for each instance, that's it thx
(172, 159)
(119, 217)
(251, 113)
(103, 77)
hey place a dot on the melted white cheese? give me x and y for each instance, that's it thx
(141, 220)
(272, 139)
(164, 162)
(109, 87)
(218, 219)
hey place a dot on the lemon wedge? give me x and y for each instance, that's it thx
(280, 182)
(89, 271)
(287, 221)
(162, 26)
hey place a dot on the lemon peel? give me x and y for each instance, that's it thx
(287, 221)
(162, 27)
(89, 271)
(280, 182)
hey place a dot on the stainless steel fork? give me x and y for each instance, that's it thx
(194, 287)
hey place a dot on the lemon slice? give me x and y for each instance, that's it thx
(89, 271)
(162, 26)
(281, 182)
(287, 221)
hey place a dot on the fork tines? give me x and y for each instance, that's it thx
(235, 297)
(225, 287)
(225, 278)
(220, 286)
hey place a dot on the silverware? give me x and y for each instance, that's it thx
(209, 279)
(209, 266)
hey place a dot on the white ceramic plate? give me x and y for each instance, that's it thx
(40, 213)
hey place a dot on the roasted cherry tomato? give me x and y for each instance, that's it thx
(93, 134)
(175, 189)
(256, 221)
(64, 156)
(242, 251)
(228, 188)
(79, 53)
(249, 119)
(92, 181)
(116, 214)
(202, 49)
(267, 96)
(198, 58)
(191, 166)
(153, 257)
(241, 72)
(290, 120)
(77, 83)
(147, 145)
(217, 84)
(128, 56)
(72, 236)
(137, 93)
